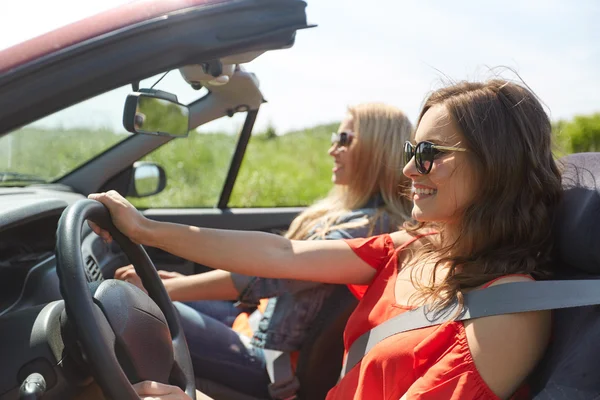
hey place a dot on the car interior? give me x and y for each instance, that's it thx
(33, 286)
(51, 329)
(66, 322)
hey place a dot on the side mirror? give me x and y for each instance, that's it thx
(147, 179)
(154, 112)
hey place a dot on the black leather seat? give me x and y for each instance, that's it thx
(321, 356)
(571, 366)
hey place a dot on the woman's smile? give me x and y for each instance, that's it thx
(421, 192)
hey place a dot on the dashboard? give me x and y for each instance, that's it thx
(28, 221)
(30, 297)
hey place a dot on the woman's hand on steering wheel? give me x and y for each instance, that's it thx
(124, 215)
(149, 390)
(106, 317)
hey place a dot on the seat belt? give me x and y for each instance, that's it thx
(508, 298)
(284, 383)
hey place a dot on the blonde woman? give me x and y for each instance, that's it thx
(364, 201)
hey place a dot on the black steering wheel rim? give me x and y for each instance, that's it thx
(91, 325)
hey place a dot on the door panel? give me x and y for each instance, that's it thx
(261, 219)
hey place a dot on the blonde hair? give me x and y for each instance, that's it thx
(381, 131)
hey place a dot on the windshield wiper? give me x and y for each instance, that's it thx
(8, 176)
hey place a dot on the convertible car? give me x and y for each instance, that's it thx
(67, 330)
(50, 329)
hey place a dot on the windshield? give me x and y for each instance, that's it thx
(48, 149)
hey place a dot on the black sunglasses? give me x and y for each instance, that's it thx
(342, 139)
(424, 154)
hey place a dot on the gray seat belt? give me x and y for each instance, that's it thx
(284, 383)
(507, 298)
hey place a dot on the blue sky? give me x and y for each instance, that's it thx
(395, 51)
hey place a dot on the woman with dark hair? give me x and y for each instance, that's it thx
(484, 189)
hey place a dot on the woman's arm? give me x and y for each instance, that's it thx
(248, 253)
(252, 288)
(506, 348)
(212, 285)
(223, 285)
(261, 254)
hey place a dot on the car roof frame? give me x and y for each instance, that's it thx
(191, 36)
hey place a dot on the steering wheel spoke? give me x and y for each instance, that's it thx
(105, 330)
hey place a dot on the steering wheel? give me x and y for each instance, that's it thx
(125, 335)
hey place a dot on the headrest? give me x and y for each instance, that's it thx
(577, 225)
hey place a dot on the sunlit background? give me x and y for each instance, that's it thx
(390, 51)
(394, 51)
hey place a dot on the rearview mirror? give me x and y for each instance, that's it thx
(154, 112)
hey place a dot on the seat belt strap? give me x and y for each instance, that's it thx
(284, 383)
(514, 297)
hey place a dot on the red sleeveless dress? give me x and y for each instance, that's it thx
(428, 363)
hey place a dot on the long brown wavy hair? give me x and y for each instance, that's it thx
(507, 229)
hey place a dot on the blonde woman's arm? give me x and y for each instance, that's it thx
(248, 253)
(212, 285)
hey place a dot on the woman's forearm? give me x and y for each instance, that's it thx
(259, 254)
(234, 251)
(213, 285)
(247, 253)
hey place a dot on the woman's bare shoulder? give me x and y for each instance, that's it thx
(506, 348)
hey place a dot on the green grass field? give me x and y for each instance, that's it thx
(287, 170)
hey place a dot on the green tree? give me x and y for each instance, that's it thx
(582, 134)
(270, 133)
